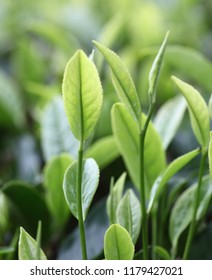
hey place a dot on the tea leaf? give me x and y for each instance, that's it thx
(198, 111)
(182, 211)
(129, 214)
(155, 69)
(115, 197)
(160, 251)
(53, 181)
(24, 197)
(127, 136)
(170, 171)
(118, 244)
(123, 82)
(82, 94)
(169, 118)
(56, 137)
(90, 180)
(104, 151)
(27, 247)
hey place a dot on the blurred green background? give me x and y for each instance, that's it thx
(37, 38)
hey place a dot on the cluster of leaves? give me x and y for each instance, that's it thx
(37, 146)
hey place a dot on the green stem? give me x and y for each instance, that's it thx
(143, 201)
(154, 233)
(79, 202)
(144, 230)
(196, 204)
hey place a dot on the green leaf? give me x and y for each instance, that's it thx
(129, 214)
(163, 253)
(170, 171)
(191, 64)
(82, 95)
(53, 181)
(27, 247)
(118, 244)
(114, 198)
(127, 136)
(155, 69)
(29, 206)
(169, 118)
(122, 81)
(198, 111)
(11, 103)
(90, 180)
(104, 151)
(182, 211)
(56, 137)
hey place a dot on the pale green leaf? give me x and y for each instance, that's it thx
(104, 151)
(169, 118)
(155, 69)
(53, 181)
(182, 211)
(118, 244)
(163, 253)
(198, 111)
(170, 171)
(82, 95)
(27, 247)
(56, 137)
(114, 198)
(126, 133)
(122, 81)
(129, 214)
(90, 180)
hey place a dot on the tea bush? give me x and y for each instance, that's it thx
(131, 168)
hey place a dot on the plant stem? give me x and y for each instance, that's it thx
(142, 183)
(79, 198)
(196, 204)
(143, 200)
(154, 233)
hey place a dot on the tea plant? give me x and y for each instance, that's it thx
(142, 145)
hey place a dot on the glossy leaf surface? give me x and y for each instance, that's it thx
(127, 136)
(198, 111)
(118, 244)
(27, 247)
(129, 214)
(90, 180)
(53, 180)
(56, 137)
(182, 211)
(122, 81)
(170, 171)
(169, 118)
(82, 95)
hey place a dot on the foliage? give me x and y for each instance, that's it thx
(110, 161)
